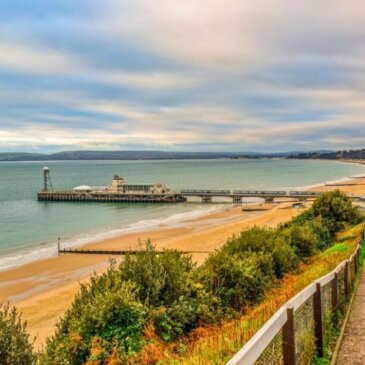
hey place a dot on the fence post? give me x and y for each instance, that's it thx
(346, 280)
(356, 258)
(317, 307)
(289, 338)
(335, 300)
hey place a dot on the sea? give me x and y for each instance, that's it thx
(29, 229)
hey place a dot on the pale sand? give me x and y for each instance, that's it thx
(42, 290)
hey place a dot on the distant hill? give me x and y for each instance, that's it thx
(21, 156)
(338, 155)
(118, 155)
(149, 155)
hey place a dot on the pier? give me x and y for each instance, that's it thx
(121, 192)
(206, 196)
(238, 195)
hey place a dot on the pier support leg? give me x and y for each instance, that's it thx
(237, 200)
(206, 199)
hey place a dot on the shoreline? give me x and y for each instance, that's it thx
(53, 282)
(49, 250)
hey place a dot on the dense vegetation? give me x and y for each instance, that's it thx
(152, 297)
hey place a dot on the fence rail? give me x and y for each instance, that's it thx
(299, 326)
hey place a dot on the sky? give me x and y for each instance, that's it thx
(182, 75)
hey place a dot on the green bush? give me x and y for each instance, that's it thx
(264, 240)
(177, 320)
(237, 280)
(161, 279)
(336, 208)
(322, 232)
(107, 315)
(303, 238)
(15, 346)
(284, 257)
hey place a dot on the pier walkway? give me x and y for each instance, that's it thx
(206, 196)
(352, 350)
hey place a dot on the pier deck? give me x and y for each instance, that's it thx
(106, 197)
(206, 196)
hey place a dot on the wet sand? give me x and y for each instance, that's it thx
(43, 290)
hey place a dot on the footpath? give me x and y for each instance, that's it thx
(352, 350)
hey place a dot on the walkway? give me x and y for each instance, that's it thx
(352, 350)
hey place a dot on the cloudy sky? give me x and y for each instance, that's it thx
(197, 75)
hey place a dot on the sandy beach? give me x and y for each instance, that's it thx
(42, 290)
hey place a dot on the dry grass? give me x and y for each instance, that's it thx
(215, 345)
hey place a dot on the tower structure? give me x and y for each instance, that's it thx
(45, 178)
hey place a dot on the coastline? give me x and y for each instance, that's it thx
(48, 248)
(53, 282)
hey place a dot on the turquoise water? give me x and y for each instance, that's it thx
(29, 229)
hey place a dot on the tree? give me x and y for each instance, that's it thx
(15, 346)
(336, 208)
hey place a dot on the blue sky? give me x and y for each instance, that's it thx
(197, 75)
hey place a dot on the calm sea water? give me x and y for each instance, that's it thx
(29, 229)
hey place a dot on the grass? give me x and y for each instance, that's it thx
(334, 332)
(216, 344)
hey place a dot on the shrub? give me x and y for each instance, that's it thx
(160, 279)
(105, 318)
(15, 346)
(237, 279)
(265, 240)
(283, 255)
(336, 208)
(303, 238)
(176, 320)
(305, 216)
(322, 232)
(255, 239)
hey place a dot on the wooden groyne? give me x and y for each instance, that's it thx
(115, 252)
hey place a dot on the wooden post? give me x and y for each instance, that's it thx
(317, 308)
(334, 288)
(346, 280)
(59, 245)
(289, 339)
(356, 258)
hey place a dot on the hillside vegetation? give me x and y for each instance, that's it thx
(149, 304)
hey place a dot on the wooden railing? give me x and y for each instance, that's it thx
(299, 326)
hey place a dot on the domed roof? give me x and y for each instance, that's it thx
(82, 188)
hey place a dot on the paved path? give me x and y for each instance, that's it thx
(352, 350)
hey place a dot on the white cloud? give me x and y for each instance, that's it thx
(45, 61)
(239, 35)
(254, 73)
